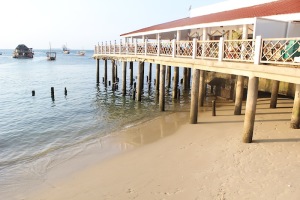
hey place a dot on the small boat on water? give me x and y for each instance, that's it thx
(22, 51)
(51, 55)
(66, 50)
(81, 53)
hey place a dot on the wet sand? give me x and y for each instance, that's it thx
(167, 158)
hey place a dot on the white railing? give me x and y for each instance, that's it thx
(273, 51)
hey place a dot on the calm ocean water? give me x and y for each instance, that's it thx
(37, 133)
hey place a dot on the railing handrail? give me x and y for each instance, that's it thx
(270, 50)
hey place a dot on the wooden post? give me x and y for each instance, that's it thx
(250, 109)
(168, 76)
(143, 75)
(201, 88)
(162, 88)
(98, 72)
(295, 121)
(194, 97)
(175, 83)
(105, 73)
(124, 77)
(66, 92)
(140, 79)
(113, 72)
(52, 92)
(33, 93)
(157, 77)
(150, 72)
(134, 91)
(274, 94)
(239, 95)
(131, 73)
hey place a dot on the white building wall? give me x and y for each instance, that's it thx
(294, 29)
(270, 29)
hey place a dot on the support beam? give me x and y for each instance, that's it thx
(124, 66)
(250, 109)
(139, 84)
(274, 93)
(162, 88)
(175, 83)
(98, 72)
(157, 77)
(194, 97)
(150, 73)
(201, 88)
(295, 121)
(239, 95)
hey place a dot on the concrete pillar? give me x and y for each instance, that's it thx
(124, 65)
(239, 95)
(201, 88)
(175, 83)
(139, 84)
(157, 77)
(131, 73)
(162, 88)
(295, 121)
(274, 93)
(194, 97)
(98, 72)
(250, 109)
(168, 76)
(105, 73)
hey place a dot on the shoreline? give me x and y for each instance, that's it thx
(203, 161)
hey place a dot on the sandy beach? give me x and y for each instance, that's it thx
(167, 158)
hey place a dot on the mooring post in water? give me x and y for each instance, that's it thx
(66, 92)
(150, 72)
(52, 93)
(140, 81)
(168, 76)
(33, 93)
(98, 74)
(201, 88)
(124, 66)
(213, 105)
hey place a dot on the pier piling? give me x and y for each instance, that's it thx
(140, 79)
(274, 94)
(33, 93)
(66, 92)
(105, 73)
(175, 83)
(131, 72)
(98, 71)
(150, 72)
(194, 97)
(162, 88)
(213, 105)
(52, 92)
(124, 66)
(168, 77)
(201, 88)
(250, 109)
(295, 121)
(239, 95)
(157, 77)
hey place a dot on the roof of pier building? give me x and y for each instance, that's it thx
(284, 10)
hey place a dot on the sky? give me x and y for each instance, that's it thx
(81, 24)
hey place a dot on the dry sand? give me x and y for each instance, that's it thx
(203, 161)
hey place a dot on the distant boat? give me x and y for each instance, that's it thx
(81, 53)
(65, 49)
(0, 53)
(51, 55)
(22, 51)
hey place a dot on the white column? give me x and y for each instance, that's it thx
(158, 43)
(221, 49)
(244, 37)
(257, 53)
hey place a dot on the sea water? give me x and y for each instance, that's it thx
(39, 132)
